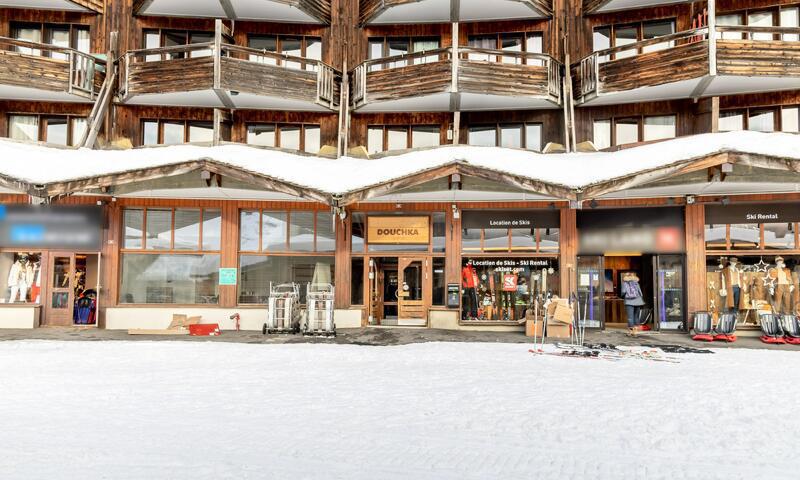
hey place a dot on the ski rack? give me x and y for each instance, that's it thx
(319, 310)
(281, 312)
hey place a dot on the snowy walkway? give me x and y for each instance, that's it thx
(182, 410)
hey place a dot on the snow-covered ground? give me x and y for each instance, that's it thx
(187, 410)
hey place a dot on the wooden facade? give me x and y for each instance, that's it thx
(345, 91)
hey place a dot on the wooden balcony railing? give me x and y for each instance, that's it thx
(479, 71)
(228, 68)
(48, 67)
(736, 50)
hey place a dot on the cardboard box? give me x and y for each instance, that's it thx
(533, 329)
(562, 314)
(558, 330)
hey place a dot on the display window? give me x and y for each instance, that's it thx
(21, 281)
(752, 285)
(491, 240)
(170, 256)
(502, 289)
(277, 247)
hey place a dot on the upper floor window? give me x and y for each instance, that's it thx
(761, 119)
(509, 135)
(60, 35)
(57, 130)
(621, 131)
(175, 38)
(382, 138)
(780, 16)
(530, 42)
(305, 137)
(620, 35)
(381, 47)
(295, 46)
(170, 132)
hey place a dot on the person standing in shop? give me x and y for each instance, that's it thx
(632, 294)
(469, 282)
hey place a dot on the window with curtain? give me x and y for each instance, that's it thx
(63, 130)
(302, 137)
(384, 138)
(173, 132)
(509, 135)
(381, 47)
(64, 35)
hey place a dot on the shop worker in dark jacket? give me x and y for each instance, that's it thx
(632, 294)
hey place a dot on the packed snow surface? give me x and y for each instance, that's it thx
(43, 165)
(192, 410)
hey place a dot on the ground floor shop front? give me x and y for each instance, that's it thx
(456, 265)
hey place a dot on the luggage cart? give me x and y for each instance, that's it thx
(319, 310)
(282, 311)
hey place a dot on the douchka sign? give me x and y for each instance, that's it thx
(752, 213)
(398, 230)
(49, 226)
(511, 219)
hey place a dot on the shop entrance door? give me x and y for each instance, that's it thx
(591, 290)
(73, 289)
(59, 305)
(669, 301)
(412, 292)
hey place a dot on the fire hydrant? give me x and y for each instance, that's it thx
(235, 317)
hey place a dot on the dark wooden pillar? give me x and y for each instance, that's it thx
(696, 292)
(568, 258)
(230, 251)
(342, 271)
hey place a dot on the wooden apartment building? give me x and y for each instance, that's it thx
(375, 78)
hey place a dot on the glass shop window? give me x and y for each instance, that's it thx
(779, 236)
(716, 237)
(502, 289)
(357, 281)
(256, 272)
(745, 236)
(20, 277)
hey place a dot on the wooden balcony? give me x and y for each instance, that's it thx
(228, 76)
(739, 59)
(291, 11)
(60, 5)
(41, 72)
(603, 6)
(480, 80)
(378, 12)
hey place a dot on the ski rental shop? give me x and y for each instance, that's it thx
(50, 264)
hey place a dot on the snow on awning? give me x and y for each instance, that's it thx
(50, 171)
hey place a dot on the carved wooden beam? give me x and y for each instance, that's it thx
(457, 167)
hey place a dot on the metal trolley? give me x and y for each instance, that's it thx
(283, 315)
(319, 310)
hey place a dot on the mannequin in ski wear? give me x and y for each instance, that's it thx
(784, 287)
(469, 282)
(20, 278)
(632, 293)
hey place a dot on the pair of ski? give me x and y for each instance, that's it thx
(603, 352)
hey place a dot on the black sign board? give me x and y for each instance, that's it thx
(511, 219)
(753, 213)
(453, 295)
(50, 226)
